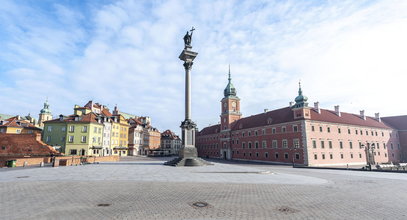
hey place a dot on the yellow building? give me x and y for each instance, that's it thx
(16, 125)
(120, 130)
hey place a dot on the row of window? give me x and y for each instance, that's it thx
(342, 156)
(71, 128)
(266, 155)
(274, 144)
(341, 145)
(357, 132)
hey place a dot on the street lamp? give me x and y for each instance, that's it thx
(369, 150)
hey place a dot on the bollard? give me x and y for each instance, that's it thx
(25, 164)
(42, 164)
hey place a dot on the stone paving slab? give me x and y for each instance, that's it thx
(154, 171)
(144, 189)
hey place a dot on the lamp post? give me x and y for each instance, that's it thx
(369, 151)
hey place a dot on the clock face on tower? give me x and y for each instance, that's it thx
(233, 104)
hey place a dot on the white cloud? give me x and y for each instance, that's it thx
(126, 53)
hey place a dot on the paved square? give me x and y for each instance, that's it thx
(142, 188)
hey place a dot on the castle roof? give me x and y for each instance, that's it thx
(397, 122)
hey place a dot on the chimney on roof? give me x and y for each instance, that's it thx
(61, 117)
(38, 136)
(266, 110)
(291, 104)
(316, 107)
(362, 114)
(377, 117)
(337, 112)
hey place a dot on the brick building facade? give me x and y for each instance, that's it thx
(299, 134)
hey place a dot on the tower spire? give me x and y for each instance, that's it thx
(230, 89)
(299, 88)
(230, 78)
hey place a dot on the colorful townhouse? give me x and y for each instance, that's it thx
(78, 134)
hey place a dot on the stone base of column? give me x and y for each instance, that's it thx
(188, 156)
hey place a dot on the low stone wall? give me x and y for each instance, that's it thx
(102, 159)
(60, 160)
(24, 161)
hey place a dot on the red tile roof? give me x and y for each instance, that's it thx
(24, 145)
(272, 117)
(397, 122)
(284, 115)
(15, 122)
(346, 118)
(214, 129)
(90, 117)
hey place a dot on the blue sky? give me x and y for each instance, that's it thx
(347, 53)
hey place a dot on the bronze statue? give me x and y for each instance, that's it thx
(188, 37)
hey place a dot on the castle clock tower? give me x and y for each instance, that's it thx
(230, 112)
(230, 109)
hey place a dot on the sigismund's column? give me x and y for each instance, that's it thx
(188, 155)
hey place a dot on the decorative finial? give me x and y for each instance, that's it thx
(299, 88)
(230, 78)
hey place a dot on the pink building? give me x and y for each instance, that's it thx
(298, 134)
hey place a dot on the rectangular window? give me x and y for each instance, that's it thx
(273, 130)
(320, 129)
(314, 143)
(263, 131)
(73, 152)
(322, 144)
(256, 145)
(71, 128)
(351, 156)
(49, 128)
(367, 133)
(330, 144)
(341, 156)
(312, 128)
(296, 143)
(356, 131)
(243, 145)
(315, 157)
(391, 146)
(348, 131)
(350, 145)
(275, 144)
(70, 139)
(295, 128)
(83, 139)
(285, 155)
(85, 129)
(285, 144)
(339, 130)
(283, 129)
(264, 144)
(341, 144)
(331, 156)
(323, 156)
(329, 130)
(95, 129)
(276, 155)
(297, 156)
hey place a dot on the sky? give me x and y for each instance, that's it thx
(125, 53)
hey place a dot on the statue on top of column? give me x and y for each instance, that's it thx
(188, 37)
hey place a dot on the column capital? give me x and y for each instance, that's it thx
(188, 65)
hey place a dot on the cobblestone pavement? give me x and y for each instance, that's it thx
(141, 188)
